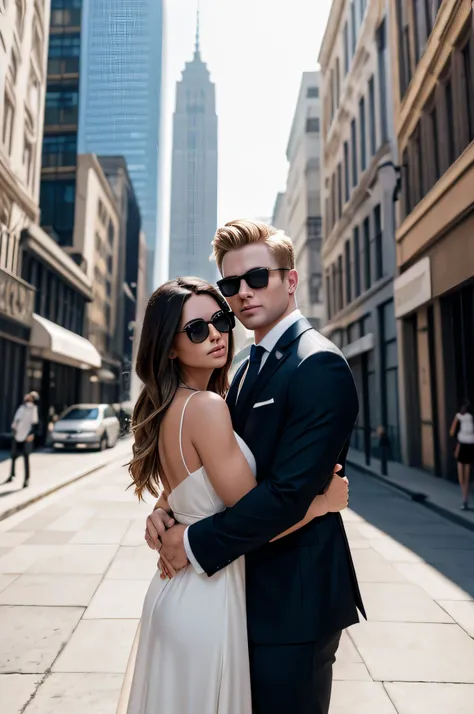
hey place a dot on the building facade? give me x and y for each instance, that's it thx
(120, 90)
(360, 185)
(194, 173)
(23, 47)
(433, 48)
(298, 210)
(128, 273)
(97, 241)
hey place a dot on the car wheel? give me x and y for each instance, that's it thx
(103, 443)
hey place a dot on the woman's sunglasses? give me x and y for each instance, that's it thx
(256, 279)
(198, 330)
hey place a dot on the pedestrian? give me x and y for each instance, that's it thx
(24, 427)
(463, 429)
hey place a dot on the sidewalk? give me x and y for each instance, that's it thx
(50, 471)
(439, 495)
(74, 570)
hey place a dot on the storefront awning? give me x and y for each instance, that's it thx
(57, 344)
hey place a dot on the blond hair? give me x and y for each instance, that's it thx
(237, 234)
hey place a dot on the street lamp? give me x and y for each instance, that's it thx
(386, 178)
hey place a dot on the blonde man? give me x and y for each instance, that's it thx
(294, 404)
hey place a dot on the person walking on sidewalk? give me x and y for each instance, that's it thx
(463, 428)
(24, 426)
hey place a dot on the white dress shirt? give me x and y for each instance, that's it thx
(268, 343)
(26, 416)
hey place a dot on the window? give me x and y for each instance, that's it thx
(381, 55)
(61, 107)
(328, 296)
(450, 121)
(353, 28)
(406, 184)
(363, 148)
(367, 270)
(57, 203)
(346, 172)
(333, 200)
(315, 287)
(66, 13)
(339, 191)
(468, 83)
(378, 243)
(8, 117)
(111, 234)
(335, 305)
(363, 7)
(404, 44)
(347, 260)
(356, 249)
(372, 119)
(314, 226)
(312, 124)
(312, 92)
(59, 150)
(27, 160)
(433, 121)
(64, 53)
(338, 82)
(332, 95)
(340, 289)
(354, 152)
(346, 48)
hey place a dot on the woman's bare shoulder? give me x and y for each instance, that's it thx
(207, 410)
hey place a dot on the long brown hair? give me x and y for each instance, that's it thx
(161, 375)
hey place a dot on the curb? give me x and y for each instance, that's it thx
(39, 496)
(421, 498)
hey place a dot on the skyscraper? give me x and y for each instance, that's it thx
(120, 90)
(194, 172)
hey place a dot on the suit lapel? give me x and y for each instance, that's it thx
(275, 359)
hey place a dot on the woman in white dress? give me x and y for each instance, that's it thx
(190, 654)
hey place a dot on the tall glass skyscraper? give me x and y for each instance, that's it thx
(120, 94)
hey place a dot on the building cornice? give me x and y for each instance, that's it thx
(331, 32)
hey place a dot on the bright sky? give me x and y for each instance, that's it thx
(256, 51)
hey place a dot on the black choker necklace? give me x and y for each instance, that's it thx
(185, 386)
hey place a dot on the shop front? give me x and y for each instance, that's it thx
(16, 316)
(435, 308)
(59, 360)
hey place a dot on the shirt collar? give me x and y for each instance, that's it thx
(271, 339)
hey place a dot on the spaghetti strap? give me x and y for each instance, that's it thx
(181, 431)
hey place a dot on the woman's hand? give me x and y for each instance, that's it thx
(337, 493)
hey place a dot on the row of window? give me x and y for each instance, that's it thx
(359, 267)
(54, 299)
(445, 128)
(415, 21)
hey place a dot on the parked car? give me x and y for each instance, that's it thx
(86, 426)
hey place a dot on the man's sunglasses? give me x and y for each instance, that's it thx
(198, 330)
(256, 279)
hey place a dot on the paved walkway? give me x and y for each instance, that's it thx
(50, 471)
(441, 495)
(74, 571)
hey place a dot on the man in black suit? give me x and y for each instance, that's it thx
(294, 403)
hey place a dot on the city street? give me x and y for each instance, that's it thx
(74, 570)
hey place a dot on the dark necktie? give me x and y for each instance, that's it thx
(256, 354)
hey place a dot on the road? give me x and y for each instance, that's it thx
(74, 571)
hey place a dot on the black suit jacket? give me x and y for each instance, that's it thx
(301, 587)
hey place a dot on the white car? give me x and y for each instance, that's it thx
(86, 426)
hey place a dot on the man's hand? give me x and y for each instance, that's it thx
(30, 438)
(172, 549)
(156, 525)
(337, 494)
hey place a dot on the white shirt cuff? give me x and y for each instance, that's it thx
(190, 554)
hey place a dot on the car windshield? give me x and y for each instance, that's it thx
(81, 414)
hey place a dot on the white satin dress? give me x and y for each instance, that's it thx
(190, 655)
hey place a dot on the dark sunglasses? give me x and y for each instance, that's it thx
(256, 279)
(198, 330)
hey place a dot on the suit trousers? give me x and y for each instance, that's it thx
(293, 679)
(23, 448)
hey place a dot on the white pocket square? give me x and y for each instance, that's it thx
(263, 404)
